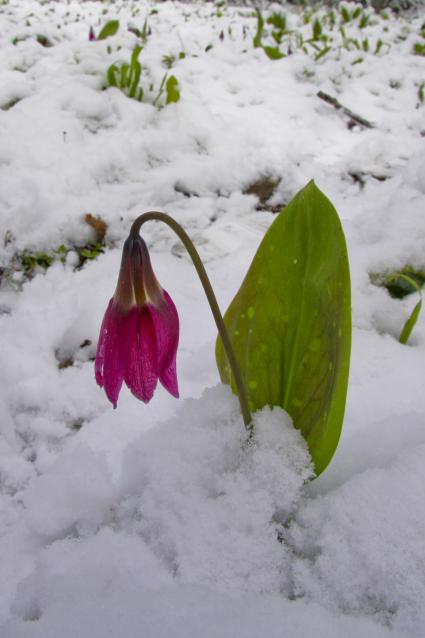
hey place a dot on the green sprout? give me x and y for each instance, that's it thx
(411, 321)
(400, 284)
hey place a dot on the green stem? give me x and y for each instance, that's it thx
(188, 244)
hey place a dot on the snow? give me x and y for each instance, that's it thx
(158, 520)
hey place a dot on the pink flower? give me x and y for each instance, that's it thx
(140, 331)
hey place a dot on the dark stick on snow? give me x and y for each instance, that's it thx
(337, 105)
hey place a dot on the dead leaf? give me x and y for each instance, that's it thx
(99, 226)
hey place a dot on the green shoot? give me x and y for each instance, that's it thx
(317, 29)
(399, 285)
(260, 29)
(168, 61)
(411, 321)
(419, 48)
(126, 77)
(345, 14)
(322, 53)
(364, 20)
(277, 20)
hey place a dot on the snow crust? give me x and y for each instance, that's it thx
(158, 520)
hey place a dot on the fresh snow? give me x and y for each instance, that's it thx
(157, 520)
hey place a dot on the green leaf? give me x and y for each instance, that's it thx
(322, 53)
(378, 47)
(273, 53)
(419, 49)
(137, 70)
(260, 28)
(277, 36)
(277, 20)
(124, 75)
(402, 283)
(410, 323)
(145, 31)
(109, 29)
(290, 322)
(134, 64)
(364, 21)
(135, 56)
(171, 90)
(111, 75)
(345, 14)
(317, 29)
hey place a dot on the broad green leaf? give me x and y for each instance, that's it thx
(109, 29)
(171, 90)
(273, 53)
(410, 323)
(290, 322)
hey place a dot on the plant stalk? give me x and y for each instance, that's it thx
(206, 284)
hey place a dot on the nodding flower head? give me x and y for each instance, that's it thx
(140, 331)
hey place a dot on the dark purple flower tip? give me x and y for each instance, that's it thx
(92, 35)
(140, 331)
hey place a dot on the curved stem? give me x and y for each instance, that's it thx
(200, 269)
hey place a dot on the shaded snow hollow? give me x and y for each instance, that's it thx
(155, 521)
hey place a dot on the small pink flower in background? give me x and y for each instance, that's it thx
(140, 331)
(92, 35)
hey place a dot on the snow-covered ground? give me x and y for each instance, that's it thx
(154, 520)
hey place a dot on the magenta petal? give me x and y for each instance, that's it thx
(166, 322)
(100, 350)
(141, 374)
(116, 337)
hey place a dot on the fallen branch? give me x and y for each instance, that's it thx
(337, 105)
